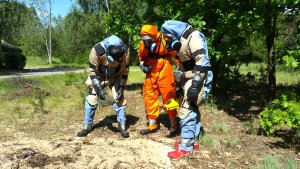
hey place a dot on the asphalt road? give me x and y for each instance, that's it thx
(44, 72)
(38, 72)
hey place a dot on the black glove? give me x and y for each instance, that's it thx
(100, 94)
(98, 88)
(145, 68)
(194, 89)
(120, 93)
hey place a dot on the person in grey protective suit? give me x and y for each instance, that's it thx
(108, 66)
(195, 78)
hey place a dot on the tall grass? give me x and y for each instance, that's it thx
(42, 61)
(46, 106)
(272, 162)
(284, 76)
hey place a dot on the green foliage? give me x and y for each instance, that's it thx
(291, 60)
(12, 60)
(11, 20)
(285, 110)
(33, 34)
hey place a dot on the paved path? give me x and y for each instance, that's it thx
(39, 72)
(42, 72)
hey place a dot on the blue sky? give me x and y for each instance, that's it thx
(61, 7)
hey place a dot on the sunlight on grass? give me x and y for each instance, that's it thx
(220, 126)
(283, 75)
(136, 75)
(272, 162)
(287, 78)
(208, 141)
(42, 61)
(229, 142)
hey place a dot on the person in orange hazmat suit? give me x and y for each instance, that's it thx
(155, 57)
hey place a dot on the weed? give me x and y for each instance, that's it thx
(222, 127)
(249, 127)
(18, 111)
(291, 164)
(38, 101)
(211, 101)
(271, 162)
(208, 141)
(230, 142)
(69, 78)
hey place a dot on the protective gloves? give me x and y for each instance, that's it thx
(98, 88)
(145, 68)
(194, 89)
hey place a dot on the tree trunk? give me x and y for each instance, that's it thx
(1, 54)
(270, 25)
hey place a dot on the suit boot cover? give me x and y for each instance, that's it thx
(86, 130)
(152, 127)
(148, 131)
(181, 151)
(89, 114)
(122, 129)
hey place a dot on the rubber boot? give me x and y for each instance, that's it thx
(177, 154)
(152, 127)
(186, 143)
(173, 129)
(122, 129)
(86, 130)
(148, 131)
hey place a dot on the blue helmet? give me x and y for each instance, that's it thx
(174, 27)
(114, 48)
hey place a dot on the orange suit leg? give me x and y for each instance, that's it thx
(150, 93)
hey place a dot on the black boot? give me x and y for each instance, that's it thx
(85, 131)
(122, 129)
(173, 132)
(147, 131)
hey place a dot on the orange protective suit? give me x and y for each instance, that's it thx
(161, 79)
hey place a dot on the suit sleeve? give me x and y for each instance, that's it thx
(198, 51)
(124, 66)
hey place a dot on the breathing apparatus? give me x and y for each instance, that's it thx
(172, 43)
(115, 53)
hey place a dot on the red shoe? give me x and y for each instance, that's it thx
(195, 147)
(177, 154)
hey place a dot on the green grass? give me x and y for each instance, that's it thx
(229, 142)
(50, 103)
(46, 104)
(42, 61)
(272, 162)
(284, 76)
(208, 141)
(136, 75)
(220, 126)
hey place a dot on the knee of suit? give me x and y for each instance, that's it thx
(92, 100)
